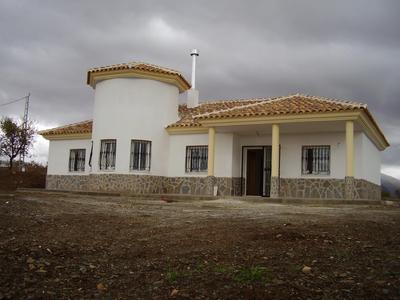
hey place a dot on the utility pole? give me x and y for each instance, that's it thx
(24, 127)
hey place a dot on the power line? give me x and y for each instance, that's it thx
(13, 101)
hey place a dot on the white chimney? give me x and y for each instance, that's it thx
(193, 94)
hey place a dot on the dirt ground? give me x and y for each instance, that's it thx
(83, 247)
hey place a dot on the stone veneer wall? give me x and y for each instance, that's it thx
(229, 186)
(328, 188)
(275, 185)
(67, 182)
(139, 184)
(189, 185)
(145, 184)
(367, 190)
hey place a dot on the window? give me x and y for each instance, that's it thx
(107, 154)
(316, 160)
(140, 155)
(77, 160)
(196, 158)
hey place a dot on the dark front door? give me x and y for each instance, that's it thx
(255, 169)
(267, 170)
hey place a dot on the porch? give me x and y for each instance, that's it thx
(297, 160)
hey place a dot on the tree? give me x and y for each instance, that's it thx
(15, 139)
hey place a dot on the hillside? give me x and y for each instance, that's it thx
(390, 185)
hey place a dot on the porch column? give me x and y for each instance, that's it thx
(275, 162)
(349, 176)
(211, 151)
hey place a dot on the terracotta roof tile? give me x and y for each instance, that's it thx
(293, 104)
(186, 114)
(236, 108)
(137, 66)
(84, 127)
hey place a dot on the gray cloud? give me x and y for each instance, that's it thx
(340, 49)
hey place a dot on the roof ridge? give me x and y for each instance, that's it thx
(335, 100)
(212, 101)
(326, 99)
(267, 100)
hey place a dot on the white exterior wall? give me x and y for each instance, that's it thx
(177, 150)
(132, 108)
(370, 161)
(223, 154)
(366, 160)
(291, 147)
(228, 152)
(59, 150)
(223, 165)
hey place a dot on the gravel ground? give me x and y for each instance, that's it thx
(82, 247)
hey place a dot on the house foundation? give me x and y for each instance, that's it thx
(315, 188)
(146, 184)
(275, 187)
(226, 186)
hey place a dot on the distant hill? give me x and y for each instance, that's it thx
(390, 185)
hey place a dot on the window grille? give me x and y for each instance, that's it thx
(107, 154)
(316, 160)
(196, 158)
(77, 160)
(140, 155)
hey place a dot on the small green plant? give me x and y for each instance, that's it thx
(220, 269)
(200, 267)
(172, 276)
(175, 275)
(250, 275)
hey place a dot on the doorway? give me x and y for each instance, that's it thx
(254, 172)
(258, 170)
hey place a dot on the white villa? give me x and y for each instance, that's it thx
(142, 141)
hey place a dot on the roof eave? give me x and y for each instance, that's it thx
(372, 129)
(67, 136)
(281, 118)
(361, 115)
(175, 79)
(186, 130)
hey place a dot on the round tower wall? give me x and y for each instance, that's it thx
(133, 108)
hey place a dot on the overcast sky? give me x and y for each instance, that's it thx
(341, 49)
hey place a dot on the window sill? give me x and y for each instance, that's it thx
(107, 171)
(139, 171)
(315, 175)
(196, 173)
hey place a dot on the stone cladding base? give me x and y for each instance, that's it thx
(349, 188)
(275, 184)
(145, 184)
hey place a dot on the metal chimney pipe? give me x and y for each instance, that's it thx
(194, 53)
